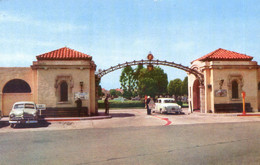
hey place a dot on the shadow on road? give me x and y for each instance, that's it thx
(4, 124)
(122, 115)
(182, 113)
(20, 126)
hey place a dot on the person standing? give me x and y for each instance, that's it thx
(79, 105)
(106, 106)
(147, 105)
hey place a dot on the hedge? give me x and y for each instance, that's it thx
(129, 104)
(119, 104)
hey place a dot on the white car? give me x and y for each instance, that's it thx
(167, 105)
(23, 112)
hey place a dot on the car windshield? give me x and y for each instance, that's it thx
(20, 106)
(169, 101)
(30, 106)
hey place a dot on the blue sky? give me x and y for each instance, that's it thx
(116, 31)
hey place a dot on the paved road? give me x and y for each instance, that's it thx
(133, 118)
(226, 143)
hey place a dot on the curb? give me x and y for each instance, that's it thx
(77, 118)
(68, 118)
(249, 115)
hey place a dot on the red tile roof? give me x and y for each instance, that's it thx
(224, 55)
(64, 54)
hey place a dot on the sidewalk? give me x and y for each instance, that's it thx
(223, 114)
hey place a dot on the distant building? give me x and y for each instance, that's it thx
(106, 92)
(120, 90)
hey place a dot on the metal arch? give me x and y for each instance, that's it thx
(153, 62)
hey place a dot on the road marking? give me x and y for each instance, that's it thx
(165, 119)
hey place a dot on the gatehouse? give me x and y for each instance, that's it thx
(226, 75)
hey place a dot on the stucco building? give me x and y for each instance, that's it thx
(56, 79)
(226, 75)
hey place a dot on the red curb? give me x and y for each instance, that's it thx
(165, 119)
(61, 120)
(249, 115)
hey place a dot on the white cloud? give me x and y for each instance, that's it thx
(6, 17)
(182, 45)
(28, 42)
(16, 60)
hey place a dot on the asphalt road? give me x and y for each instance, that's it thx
(225, 143)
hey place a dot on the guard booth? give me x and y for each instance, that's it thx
(55, 79)
(226, 75)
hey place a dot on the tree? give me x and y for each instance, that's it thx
(184, 88)
(175, 87)
(128, 83)
(112, 92)
(153, 82)
(115, 93)
(137, 71)
(118, 93)
(100, 93)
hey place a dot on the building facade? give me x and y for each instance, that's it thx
(56, 79)
(226, 75)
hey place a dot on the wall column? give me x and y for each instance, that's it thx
(202, 98)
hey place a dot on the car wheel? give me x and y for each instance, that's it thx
(12, 125)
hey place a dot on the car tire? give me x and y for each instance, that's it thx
(12, 125)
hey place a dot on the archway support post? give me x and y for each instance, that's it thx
(202, 98)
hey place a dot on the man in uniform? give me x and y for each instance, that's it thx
(106, 106)
(79, 105)
(147, 105)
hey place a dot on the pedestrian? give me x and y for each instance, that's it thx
(106, 105)
(79, 105)
(147, 105)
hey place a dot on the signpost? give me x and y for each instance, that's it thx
(81, 95)
(41, 107)
(244, 106)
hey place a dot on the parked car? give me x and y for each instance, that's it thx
(167, 105)
(136, 98)
(23, 112)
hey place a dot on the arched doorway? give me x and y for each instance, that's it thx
(13, 91)
(196, 95)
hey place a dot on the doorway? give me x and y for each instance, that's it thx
(196, 95)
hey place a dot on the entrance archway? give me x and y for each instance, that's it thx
(13, 91)
(150, 62)
(195, 72)
(196, 95)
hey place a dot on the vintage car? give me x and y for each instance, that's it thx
(167, 105)
(23, 112)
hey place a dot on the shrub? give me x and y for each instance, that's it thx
(119, 104)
